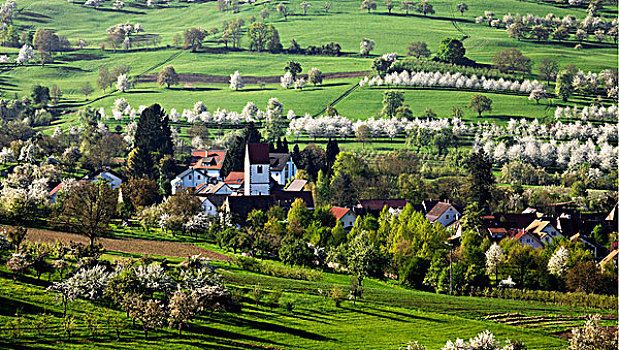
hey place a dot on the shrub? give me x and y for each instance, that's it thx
(287, 303)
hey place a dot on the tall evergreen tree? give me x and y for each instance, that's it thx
(480, 179)
(235, 157)
(333, 149)
(296, 155)
(285, 148)
(153, 132)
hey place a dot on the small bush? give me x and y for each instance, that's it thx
(287, 303)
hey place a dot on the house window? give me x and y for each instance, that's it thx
(189, 177)
(259, 169)
(199, 178)
(447, 216)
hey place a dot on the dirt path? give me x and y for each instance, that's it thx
(224, 79)
(129, 245)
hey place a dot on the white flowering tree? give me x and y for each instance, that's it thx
(287, 81)
(366, 46)
(494, 258)
(26, 53)
(236, 81)
(122, 83)
(557, 264)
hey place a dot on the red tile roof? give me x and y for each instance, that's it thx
(339, 212)
(258, 153)
(235, 177)
(56, 189)
(379, 204)
(207, 159)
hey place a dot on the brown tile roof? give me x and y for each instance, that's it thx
(278, 160)
(339, 212)
(379, 204)
(609, 257)
(437, 210)
(258, 153)
(235, 177)
(207, 159)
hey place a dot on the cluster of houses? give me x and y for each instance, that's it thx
(268, 179)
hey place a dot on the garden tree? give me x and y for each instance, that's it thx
(283, 10)
(153, 134)
(364, 258)
(584, 277)
(563, 85)
(450, 50)
(461, 7)
(323, 189)
(368, 5)
(537, 95)
(294, 68)
(593, 336)
(407, 6)
(425, 7)
(315, 76)
(389, 5)
(193, 38)
(419, 49)
(167, 76)
(295, 251)
(512, 60)
(480, 179)
(558, 262)
(90, 207)
(366, 46)
(342, 189)
(494, 258)
(236, 81)
(140, 163)
(600, 234)
(392, 99)
(520, 260)
(141, 191)
(183, 307)
(517, 30)
(480, 104)
(547, 68)
(412, 188)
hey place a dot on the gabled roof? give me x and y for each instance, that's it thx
(379, 204)
(235, 178)
(212, 189)
(258, 153)
(609, 257)
(296, 185)
(278, 161)
(189, 171)
(56, 189)
(438, 210)
(497, 231)
(207, 159)
(339, 212)
(216, 199)
(521, 234)
(537, 226)
(612, 216)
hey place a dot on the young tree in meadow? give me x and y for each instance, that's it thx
(167, 76)
(26, 53)
(368, 5)
(537, 95)
(264, 14)
(391, 101)
(494, 258)
(512, 60)
(480, 104)
(315, 76)
(283, 10)
(418, 49)
(87, 89)
(450, 50)
(561, 33)
(122, 83)
(363, 134)
(326, 6)
(563, 85)
(389, 5)
(305, 5)
(90, 207)
(193, 38)
(287, 81)
(366, 46)
(425, 7)
(517, 30)
(407, 6)
(548, 69)
(236, 81)
(461, 7)
(105, 78)
(294, 68)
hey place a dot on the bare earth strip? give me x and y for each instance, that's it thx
(224, 79)
(129, 245)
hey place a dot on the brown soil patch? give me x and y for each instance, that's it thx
(129, 245)
(185, 78)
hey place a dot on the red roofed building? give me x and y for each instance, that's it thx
(346, 216)
(235, 179)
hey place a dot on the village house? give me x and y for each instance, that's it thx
(543, 230)
(528, 238)
(444, 213)
(204, 168)
(282, 167)
(345, 215)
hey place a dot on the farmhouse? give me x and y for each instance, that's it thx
(345, 215)
(204, 168)
(528, 238)
(543, 230)
(444, 213)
